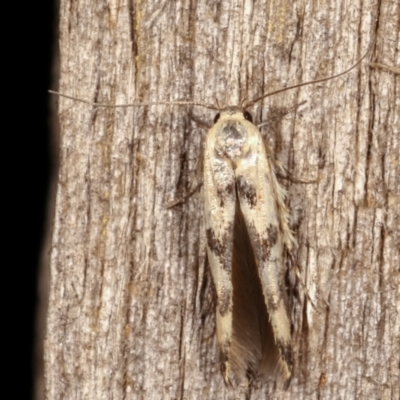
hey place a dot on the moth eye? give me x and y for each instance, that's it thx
(216, 118)
(248, 116)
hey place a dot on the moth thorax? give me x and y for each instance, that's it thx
(232, 140)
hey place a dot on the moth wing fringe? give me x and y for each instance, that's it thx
(280, 194)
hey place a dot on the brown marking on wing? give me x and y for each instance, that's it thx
(261, 245)
(247, 191)
(273, 303)
(218, 246)
(272, 231)
(286, 353)
(215, 245)
(224, 360)
(224, 302)
(225, 193)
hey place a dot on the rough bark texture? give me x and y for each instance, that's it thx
(130, 308)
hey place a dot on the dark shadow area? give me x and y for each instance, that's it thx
(32, 166)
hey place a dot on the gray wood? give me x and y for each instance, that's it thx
(131, 302)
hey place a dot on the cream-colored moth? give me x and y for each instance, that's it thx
(247, 231)
(247, 227)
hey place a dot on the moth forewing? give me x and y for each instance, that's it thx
(258, 193)
(219, 205)
(240, 187)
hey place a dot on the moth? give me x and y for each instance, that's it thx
(247, 233)
(247, 226)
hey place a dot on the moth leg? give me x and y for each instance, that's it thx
(280, 114)
(295, 268)
(181, 200)
(220, 198)
(255, 190)
(196, 185)
(290, 177)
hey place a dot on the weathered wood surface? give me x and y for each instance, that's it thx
(130, 309)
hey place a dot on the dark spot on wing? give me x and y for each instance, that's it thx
(272, 235)
(225, 193)
(265, 250)
(214, 244)
(224, 298)
(286, 353)
(247, 191)
(272, 303)
(219, 248)
(224, 350)
(226, 258)
(230, 188)
(223, 358)
(261, 246)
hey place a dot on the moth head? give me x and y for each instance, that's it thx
(230, 111)
(231, 133)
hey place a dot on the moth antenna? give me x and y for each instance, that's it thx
(312, 82)
(138, 104)
(242, 103)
